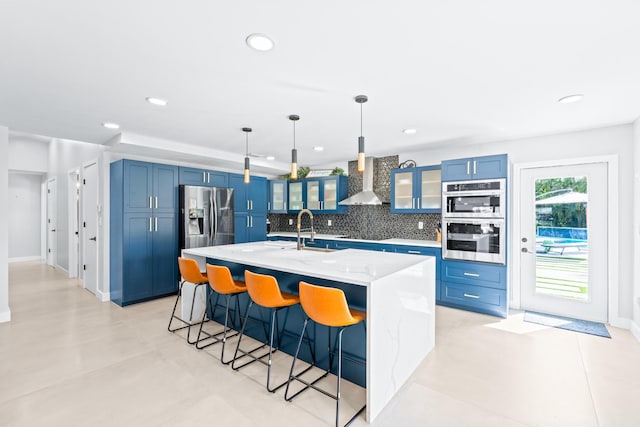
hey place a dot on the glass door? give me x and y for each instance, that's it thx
(430, 197)
(330, 194)
(313, 195)
(563, 240)
(295, 196)
(403, 185)
(277, 196)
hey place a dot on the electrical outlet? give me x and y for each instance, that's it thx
(329, 223)
(290, 221)
(420, 225)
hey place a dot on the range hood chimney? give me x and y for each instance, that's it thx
(366, 196)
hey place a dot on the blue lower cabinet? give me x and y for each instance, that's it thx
(474, 286)
(474, 298)
(367, 246)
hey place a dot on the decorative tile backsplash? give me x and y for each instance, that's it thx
(367, 222)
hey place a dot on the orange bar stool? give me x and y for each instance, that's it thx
(328, 307)
(221, 283)
(265, 292)
(190, 272)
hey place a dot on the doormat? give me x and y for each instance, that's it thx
(576, 325)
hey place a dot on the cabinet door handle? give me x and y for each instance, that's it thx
(251, 205)
(208, 177)
(414, 252)
(156, 202)
(150, 225)
(247, 205)
(204, 176)
(247, 222)
(471, 296)
(474, 167)
(150, 202)
(268, 206)
(471, 274)
(156, 224)
(468, 167)
(250, 222)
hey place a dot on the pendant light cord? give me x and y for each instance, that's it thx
(360, 119)
(294, 134)
(247, 134)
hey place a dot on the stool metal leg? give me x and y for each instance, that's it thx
(187, 324)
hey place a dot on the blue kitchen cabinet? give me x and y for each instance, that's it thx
(203, 177)
(277, 196)
(295, 191)
(416, 190)
(143, 239)
(426, 251)
(485, 167)
(474, 286)
(250, 208)
(367, 246)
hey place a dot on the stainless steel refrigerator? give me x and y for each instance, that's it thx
(206, 216)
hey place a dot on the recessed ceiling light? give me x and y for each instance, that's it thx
(157, 101)
(270, 158)
(409, 131)
(570, 98)
(318, 148)
(110, 125)
(260, 42)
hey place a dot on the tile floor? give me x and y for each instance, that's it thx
(67, 359)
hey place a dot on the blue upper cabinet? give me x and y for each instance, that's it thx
(416, 190)
(138, 193)
(320, 195)
(277, 196)
(486, 167)
(209, 178)
(165, 188)
(250, 208)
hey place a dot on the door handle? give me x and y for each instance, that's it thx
(156, 202)
(471, 274)
(468, 167)
(150, 202)
(208, 177)
(204, 176)
(93, 238)
(474, 167)
(156, 223)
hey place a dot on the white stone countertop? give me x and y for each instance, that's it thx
(353, 266)
(408, 242)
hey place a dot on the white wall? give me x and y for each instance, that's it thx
(635, 325)
(5, 313)
(24, 211)
(615, 140)
(63, 156)
(28, 154)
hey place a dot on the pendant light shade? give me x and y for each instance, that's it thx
(247, 169)
(294, 152)
(361, 99)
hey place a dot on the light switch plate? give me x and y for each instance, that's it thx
(290, 221)
(329, 223)
(420, 225)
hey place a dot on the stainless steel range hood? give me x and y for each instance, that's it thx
(366, 196)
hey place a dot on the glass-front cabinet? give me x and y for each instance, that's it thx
(416, 190)
(320, 195)
(296, 202)
(277, 196)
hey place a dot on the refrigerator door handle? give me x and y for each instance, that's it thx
(214, 214)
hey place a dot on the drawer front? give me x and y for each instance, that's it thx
(493, 276)
(487, 300)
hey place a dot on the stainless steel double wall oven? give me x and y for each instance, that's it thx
(473, 220)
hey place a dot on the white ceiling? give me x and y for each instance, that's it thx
(459, 71)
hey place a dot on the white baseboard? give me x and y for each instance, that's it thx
(25, 258)
(5, 315)
(58, 267)
(103, 296)
(635, 330)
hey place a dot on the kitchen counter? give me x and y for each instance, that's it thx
(407, 242)
(396, 290)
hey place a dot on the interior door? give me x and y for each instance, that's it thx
(52, 243)
(563, 240)
(90, 226)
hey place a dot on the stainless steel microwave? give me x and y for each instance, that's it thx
(480, 199)
(474, 239)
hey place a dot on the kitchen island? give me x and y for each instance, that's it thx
(396, 290)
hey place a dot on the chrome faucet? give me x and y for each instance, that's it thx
(305, 229)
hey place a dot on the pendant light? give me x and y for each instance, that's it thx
(294, 152)
(247, 177)
(361, 99)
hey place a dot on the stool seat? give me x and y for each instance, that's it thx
(221, 283)
(326, 306)
(264, 291)
(190, 272)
